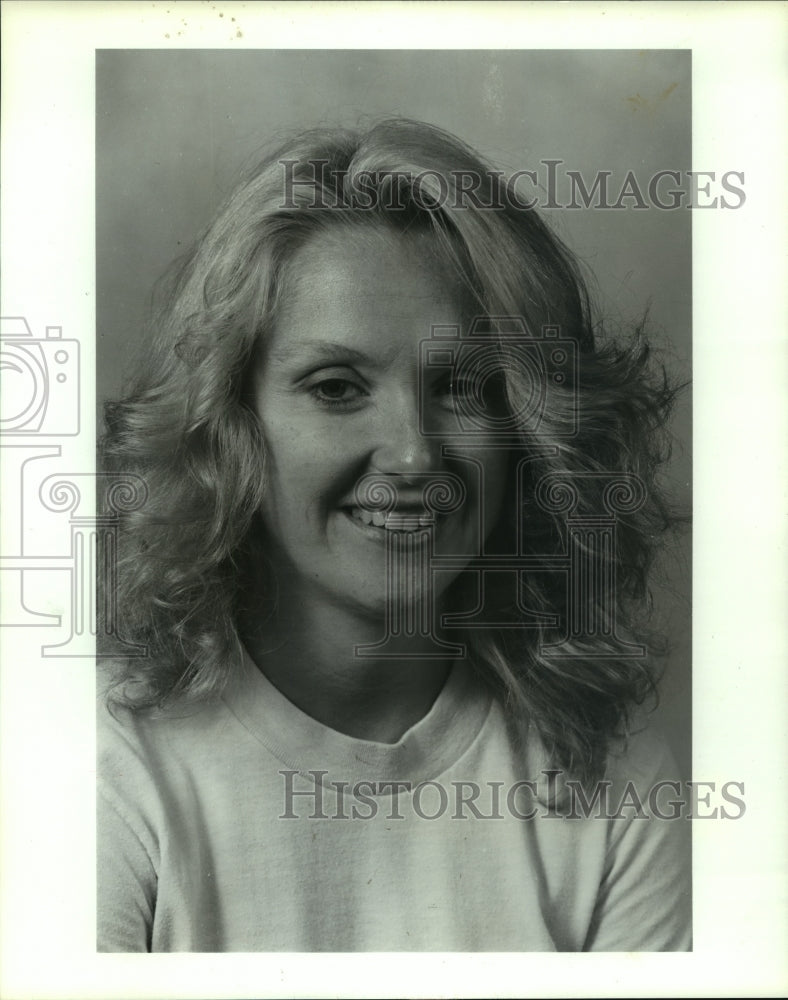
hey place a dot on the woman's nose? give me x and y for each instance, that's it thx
(401, 446)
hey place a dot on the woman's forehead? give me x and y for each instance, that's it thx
(339, 251)
(372, 289)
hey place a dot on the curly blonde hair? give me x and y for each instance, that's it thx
(187, 428)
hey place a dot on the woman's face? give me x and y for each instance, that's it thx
(337, 394)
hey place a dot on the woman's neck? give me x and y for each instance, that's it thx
(307, 647)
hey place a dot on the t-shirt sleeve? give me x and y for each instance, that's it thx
(645, 896)
(126, 883)
(127, 849)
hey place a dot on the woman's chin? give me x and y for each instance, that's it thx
(394, 605)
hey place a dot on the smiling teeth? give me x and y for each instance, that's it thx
(394, 520)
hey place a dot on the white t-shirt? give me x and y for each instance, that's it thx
(245, 825)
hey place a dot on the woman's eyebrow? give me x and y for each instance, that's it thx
(323, 350)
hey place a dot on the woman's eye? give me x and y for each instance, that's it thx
(482, 397)
(462, 388)
(453, 389)
(336, 391)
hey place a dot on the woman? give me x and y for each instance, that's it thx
(390, 574)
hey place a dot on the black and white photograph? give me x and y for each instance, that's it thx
(385, 596)
(372, 519)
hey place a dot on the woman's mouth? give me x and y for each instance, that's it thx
(403, 520)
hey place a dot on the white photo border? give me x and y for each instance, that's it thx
(46, 708)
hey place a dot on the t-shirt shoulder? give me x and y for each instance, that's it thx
(644, 758)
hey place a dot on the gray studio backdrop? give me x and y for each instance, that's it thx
(174, 129)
